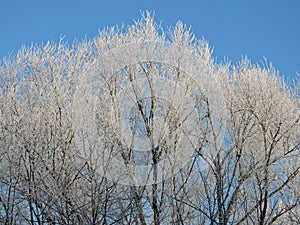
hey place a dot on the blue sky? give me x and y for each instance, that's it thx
(234, 28)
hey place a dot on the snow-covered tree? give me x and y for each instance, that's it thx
(141, 126)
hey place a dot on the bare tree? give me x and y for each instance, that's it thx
(142, 126)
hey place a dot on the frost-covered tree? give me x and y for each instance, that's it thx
(142, 126)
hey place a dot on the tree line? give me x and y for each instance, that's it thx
(142, 126)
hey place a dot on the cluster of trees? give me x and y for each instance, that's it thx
(141, 126)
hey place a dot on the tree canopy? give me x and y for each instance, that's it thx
(142, 126)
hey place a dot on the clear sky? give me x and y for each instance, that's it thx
(234, 28)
